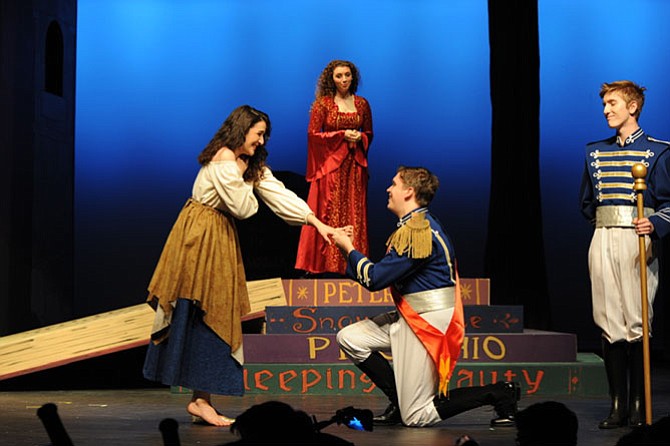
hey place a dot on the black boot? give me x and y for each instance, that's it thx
(381, 373)
(616, 365)
(506, 405)
(636, 409)
(503, 396)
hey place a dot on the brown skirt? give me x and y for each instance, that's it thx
(202, 261)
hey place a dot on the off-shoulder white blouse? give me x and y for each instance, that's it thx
(219, 184)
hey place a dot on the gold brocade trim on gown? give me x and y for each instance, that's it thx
(202, 261)
(347, 197)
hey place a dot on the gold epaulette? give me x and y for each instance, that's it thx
(414, 237)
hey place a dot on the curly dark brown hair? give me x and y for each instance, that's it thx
(233, 133)
(325, 86)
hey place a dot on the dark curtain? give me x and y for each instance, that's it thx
(514, 259)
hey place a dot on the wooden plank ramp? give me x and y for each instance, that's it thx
(103, 334)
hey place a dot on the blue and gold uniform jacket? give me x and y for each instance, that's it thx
(408, 275)
(608, 181)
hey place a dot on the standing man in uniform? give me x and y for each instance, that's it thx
(608, 200)
(425, 333)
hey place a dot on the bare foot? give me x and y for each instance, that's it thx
(202, 412)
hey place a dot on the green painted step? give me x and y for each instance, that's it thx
(584, 377)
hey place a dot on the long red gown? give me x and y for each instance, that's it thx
(338, 176)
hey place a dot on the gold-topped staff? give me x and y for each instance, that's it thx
(639, 172)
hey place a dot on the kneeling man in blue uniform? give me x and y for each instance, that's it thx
(425, 333)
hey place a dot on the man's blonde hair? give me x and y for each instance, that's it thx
(628, 90)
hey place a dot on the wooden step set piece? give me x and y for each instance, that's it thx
(103, 334)
(582, 377)
(298, 353)
(529, 346)
(346, 292)
(312, 320)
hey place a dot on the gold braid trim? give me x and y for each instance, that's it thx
(414, 237)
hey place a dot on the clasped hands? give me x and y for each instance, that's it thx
(340, 236)
(352, 135)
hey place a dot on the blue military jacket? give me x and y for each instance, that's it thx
(607, 178)
(406, 274)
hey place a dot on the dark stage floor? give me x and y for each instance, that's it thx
(131, 417)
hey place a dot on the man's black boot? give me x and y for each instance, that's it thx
(636, 409)
(506, 405)
(389, 417)
(616, 366)
(503, 396)
(381, 373)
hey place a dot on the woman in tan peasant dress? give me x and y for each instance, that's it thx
(199, 286)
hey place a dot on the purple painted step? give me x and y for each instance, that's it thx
(529, 346)
(324, 320)
(346, 292)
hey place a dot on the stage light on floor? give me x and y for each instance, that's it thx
(357, 419)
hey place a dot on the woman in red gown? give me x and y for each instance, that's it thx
(338, 139)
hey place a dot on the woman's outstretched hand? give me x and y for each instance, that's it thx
(324, 230)
(328, 232)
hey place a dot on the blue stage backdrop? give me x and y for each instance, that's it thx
(155, 79)
(582, 45)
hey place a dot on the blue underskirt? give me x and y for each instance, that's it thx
(193, 356)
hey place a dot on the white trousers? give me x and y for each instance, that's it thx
(614, 266)
(415, 374)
